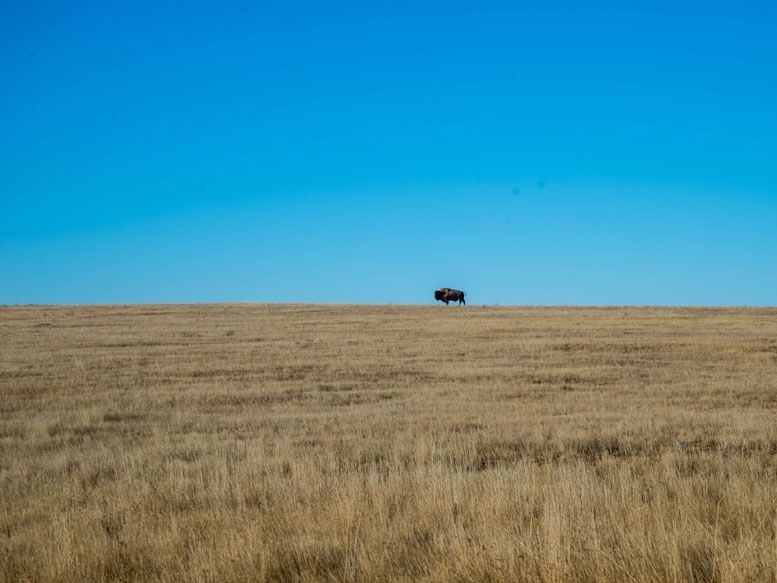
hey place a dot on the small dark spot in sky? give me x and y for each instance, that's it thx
(31, 55)
(540, 184)
(516, 191)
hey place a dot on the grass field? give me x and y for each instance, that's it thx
(370, 443)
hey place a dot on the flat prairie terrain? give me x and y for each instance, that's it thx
(374, 443)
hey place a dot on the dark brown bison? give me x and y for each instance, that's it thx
(447, 294)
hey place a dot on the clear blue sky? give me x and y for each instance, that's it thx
(528, 153)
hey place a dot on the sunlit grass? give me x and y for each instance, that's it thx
(387, 443)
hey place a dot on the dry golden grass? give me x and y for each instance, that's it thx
(310, 442)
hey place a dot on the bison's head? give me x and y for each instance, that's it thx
(439, 295)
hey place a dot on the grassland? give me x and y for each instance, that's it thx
(366, 443)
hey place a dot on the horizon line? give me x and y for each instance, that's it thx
(379, 304)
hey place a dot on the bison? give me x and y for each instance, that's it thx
(447, 294)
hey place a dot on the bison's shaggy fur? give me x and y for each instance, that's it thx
(447, 295)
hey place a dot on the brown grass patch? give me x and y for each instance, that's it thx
(372, 443)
